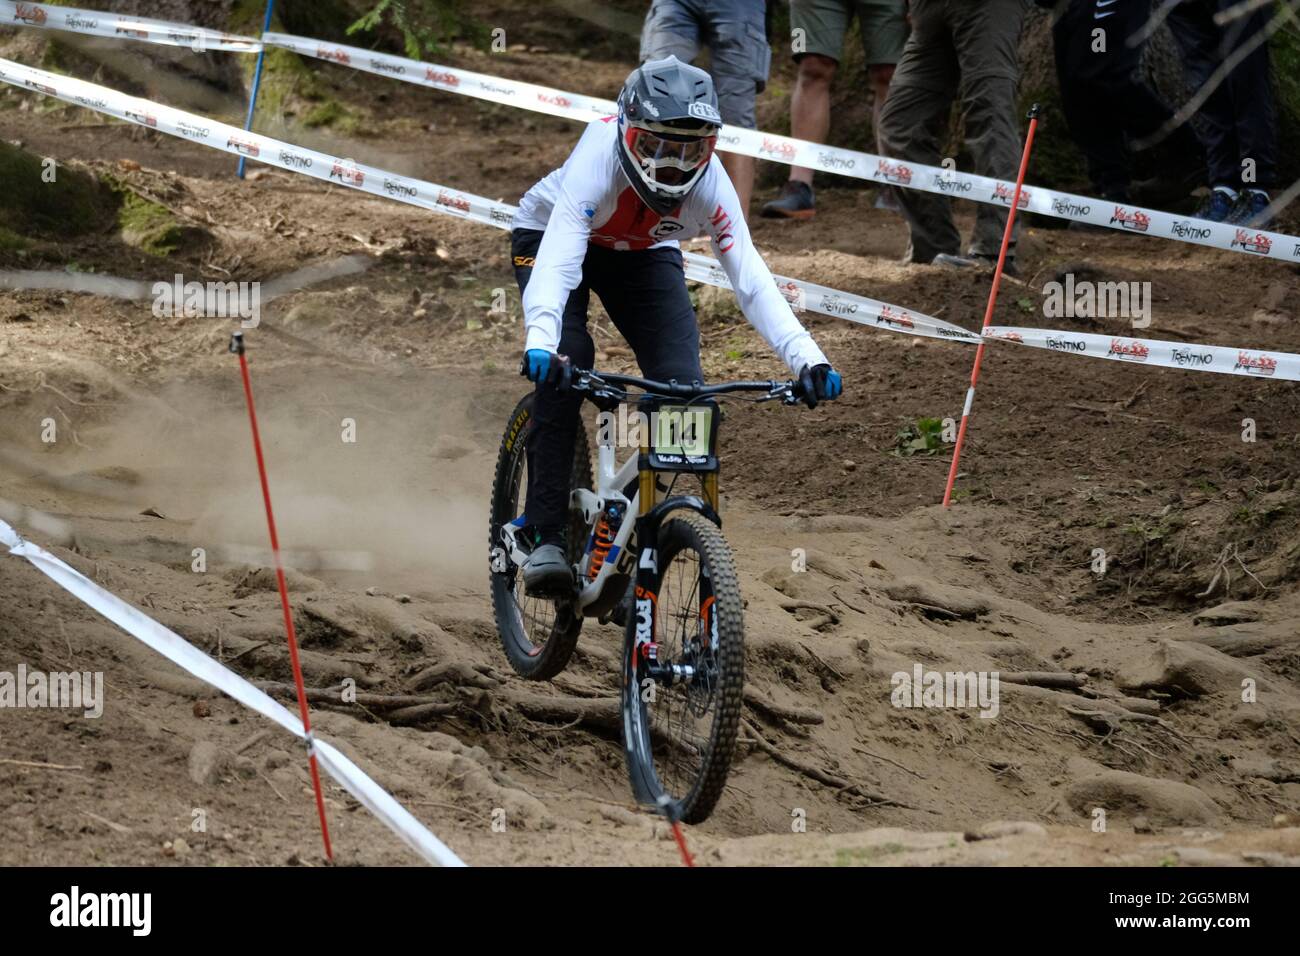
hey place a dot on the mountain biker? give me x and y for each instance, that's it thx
(608, 221)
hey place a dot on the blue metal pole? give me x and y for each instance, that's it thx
(257, 81)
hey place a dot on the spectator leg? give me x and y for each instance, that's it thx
(1251, 92)
(914, 121)
(739, 61)
(810, 105)
(879, 75)
(1200, 40)
(986, 37)
(1102, 90)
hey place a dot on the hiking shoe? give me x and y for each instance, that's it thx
(548, 571)
(1251, 209)
(795, 202)
(976, 262)
(1218, 206)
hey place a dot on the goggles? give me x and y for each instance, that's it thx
(668, 159)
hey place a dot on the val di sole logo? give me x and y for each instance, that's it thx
(1259, 243)
(244, 147)
(30, 14)
(1255, 364)
(1131, 219)
(893, 172)
(1128, 350)
(1003, 195)
(898, 318)
(348, 175)
(779, 148)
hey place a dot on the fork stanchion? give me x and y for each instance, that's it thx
(237, 347)
(992, 303)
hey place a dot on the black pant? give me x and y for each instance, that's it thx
(1239, 119)
(1105, 98)
(645, 295)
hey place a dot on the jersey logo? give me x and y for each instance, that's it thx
(721, 222)
(588, 208)
(667, 228)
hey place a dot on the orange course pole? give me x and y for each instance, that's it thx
(237, 346)
(993, 301)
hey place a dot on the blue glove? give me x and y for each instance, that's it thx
(545, 368)
(821, 383)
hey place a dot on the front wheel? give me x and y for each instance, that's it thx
(684, 672)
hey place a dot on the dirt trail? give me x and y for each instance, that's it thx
(385, 533)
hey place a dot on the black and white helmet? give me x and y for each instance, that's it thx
(668, 124)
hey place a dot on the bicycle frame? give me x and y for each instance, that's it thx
(612, 479)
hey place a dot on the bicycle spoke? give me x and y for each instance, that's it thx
(684, 727)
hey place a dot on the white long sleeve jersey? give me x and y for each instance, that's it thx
(589, 200)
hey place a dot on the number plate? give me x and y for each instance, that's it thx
(683, 434)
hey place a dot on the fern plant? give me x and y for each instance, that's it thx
(424, 25)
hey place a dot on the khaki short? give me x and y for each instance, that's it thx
(825, 22)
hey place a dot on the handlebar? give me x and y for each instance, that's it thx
(612, 386)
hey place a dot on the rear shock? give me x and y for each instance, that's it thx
(602, 538)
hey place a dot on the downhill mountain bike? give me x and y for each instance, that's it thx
(646, 557)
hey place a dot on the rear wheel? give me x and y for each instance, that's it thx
(538, 634)
(682, 699)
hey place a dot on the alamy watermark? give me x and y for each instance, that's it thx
(73, 690)
(952, 689)
(679, 426)
(1084, 299)
(74, 908)
(225, 300)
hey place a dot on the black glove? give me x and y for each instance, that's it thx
(821, 383)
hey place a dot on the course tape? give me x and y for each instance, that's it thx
(802, 295)
(1136, 220)
(805, 296)
(185, 655)
(1185, 355)
(100, 24)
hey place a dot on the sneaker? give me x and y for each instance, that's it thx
(1252, 209)
(548, 571)
(795, 202)
(1218, 206)
(976, 262)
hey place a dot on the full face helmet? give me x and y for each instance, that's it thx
(668, 124)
